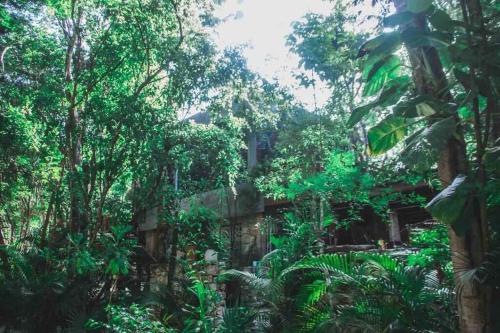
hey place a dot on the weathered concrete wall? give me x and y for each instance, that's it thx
(243, 206)
(208, 275)
(242, 200)
(152, 243)
(248, 242)
(150, 219)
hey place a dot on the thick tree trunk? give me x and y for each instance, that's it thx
(72, 32)
(476, 20)
(467, 250)
(478, 38)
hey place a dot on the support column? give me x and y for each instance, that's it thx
(394, 231)
(252, 151)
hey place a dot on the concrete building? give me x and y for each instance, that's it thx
(242, 210)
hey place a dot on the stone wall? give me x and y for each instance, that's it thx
(208, 274)
(247, 241)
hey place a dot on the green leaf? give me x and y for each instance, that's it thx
(441, 20)
(386, 64)
(480, 83)
(414, 108)
(384, 44)
(439, 132)
(386, 134)
(414, 37)
(359, 112)
(377, 74)
(418, 6)
(423, 147)
(463, 77)
(328, 220)
(389, 95)
(453, 206)
(425, 110)
(398, 19)
(465, 113)
(113, 267)
(339, 266)
(407, 108)
(421, 106)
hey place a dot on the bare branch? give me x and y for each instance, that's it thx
(2, 55)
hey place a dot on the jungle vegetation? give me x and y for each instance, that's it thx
(95, 104)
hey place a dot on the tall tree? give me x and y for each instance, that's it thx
(451, 108)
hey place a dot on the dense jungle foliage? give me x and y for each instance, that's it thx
(109, 108)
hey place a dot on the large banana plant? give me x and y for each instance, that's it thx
(424, 100)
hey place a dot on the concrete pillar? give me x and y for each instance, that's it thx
(394, 232)
(252, 151)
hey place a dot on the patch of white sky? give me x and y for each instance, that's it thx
(263, 26)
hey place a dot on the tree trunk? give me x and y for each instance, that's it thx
(172, 261)
(72, 32)
(50, 208)
(473, 16)
(174, 211)
(4, 258)
(2, 240)
(467, 251)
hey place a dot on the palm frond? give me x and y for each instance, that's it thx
(237, 320)
(340, 266)
(252, 280)
(311, 293)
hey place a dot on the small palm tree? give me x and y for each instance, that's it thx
(372, 293)
(270, 299)
(351, 293)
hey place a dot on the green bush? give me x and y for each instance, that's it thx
(133, 319)
(434, 251)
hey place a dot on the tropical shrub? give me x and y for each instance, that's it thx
(372, 293)
(434, 251)
(201, 315)
(132, 319)
(352, 293)
(61, 287)
(236, 320)
(197, 221)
